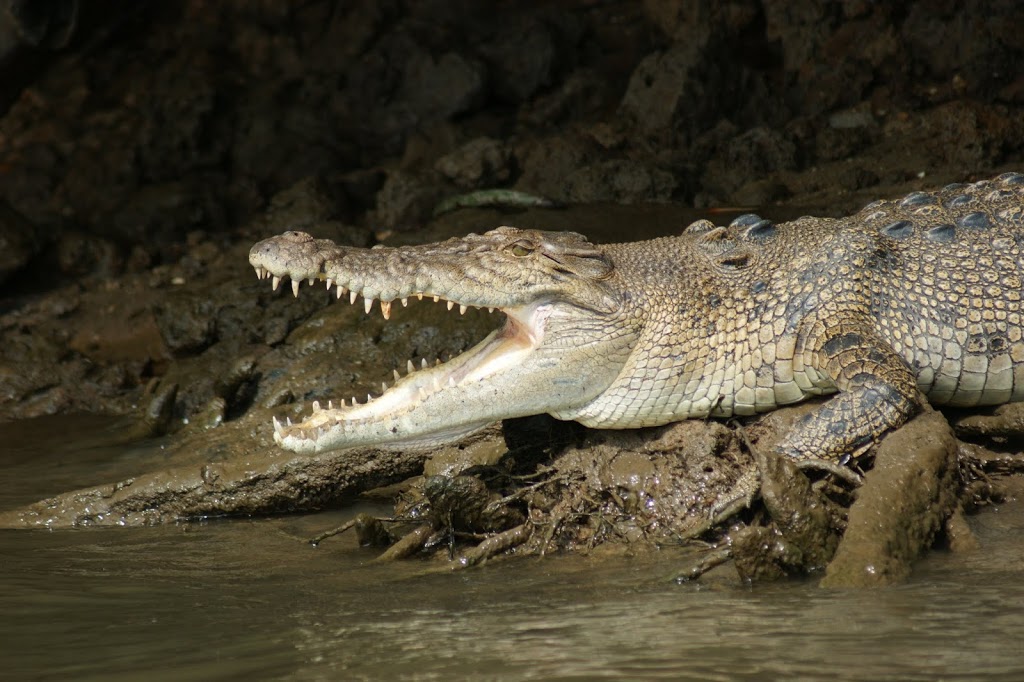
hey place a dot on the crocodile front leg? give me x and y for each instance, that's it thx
(877, 393)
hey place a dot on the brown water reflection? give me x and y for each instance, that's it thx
(248, 599)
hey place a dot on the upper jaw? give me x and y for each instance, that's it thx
(462, 272)
(382, 273)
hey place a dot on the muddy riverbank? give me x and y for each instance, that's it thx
(146, 157)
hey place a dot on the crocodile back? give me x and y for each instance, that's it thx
(946, 294)
(733, 316)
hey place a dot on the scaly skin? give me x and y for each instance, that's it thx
(905, 301)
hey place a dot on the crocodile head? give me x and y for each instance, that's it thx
(564, 339)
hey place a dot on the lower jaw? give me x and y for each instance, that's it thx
(348, 436)
(428, 408)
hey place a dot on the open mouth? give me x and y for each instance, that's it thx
(502, 350)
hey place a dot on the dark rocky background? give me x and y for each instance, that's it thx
(133, 157)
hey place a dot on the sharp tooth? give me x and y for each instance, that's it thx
(352, 296)
(330, 283)
(289, 420)
(405, 302)
(354, 401)
(490, 310)
(311, 280)
(397, 375)
(383, 386)
(295, 287)
(277, 426)
(451, 304)
(368, 397)
(330, 404)
(339, 291)
(419, 297)
(259, 274)
(436, 299)
(368, 304)
(462, 310)
(316, 405)
(275, 282)
(409, 366)
(437, 361)
(423, 363)
(385, 309)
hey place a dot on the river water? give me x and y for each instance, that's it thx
(249, 599)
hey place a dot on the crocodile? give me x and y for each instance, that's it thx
(908, 301)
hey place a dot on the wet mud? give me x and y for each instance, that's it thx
(144, 158)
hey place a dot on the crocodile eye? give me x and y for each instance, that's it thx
(519, 250)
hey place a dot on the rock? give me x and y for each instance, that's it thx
(682, 21)
(481, 162)
(547, 161)
(904, 503)
(757, 154)
(406, 200)
(300, 206)
(80, 254)
(852, 118)
(854, 178)
(158, 214)
(19, 241)
(521, 57)
(662, 90)
(437, 89)
(582, 95)
(186, 321)
(621, 181)
(760, 193)
(834, 144)
(968, 134)
(677, 93)
(974, 51)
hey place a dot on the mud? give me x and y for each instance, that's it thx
(908, 497)
(141, 161)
